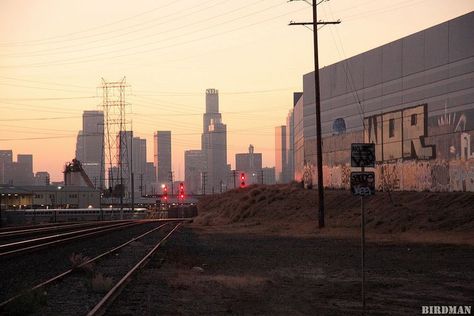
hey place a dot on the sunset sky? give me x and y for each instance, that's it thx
(53, 54)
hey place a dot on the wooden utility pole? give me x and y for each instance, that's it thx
(319, 153)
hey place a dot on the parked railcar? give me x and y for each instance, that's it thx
(72, 215)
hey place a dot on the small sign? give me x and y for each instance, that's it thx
(362, 155)
(363, 183)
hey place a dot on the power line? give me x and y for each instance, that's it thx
(67, 35)
(82, 60)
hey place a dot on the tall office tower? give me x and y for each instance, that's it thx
(162, 156)
(290, 148)
(126, 155)
(149, 180)
(139, 163)
(90, 146)
(251, 164)
(268, 175)
(217, 156)
(6, 162)
(214, 144)
(194, 164)
(280, 153)
(42, 178)
(23, 170)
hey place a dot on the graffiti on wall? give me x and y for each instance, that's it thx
(400, 134)
(453, 134)
(414, 152)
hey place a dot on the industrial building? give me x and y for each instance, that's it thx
(48, 196)
(413, 98)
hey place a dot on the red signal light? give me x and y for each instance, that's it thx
(165, 193)
(181, 190)
(242, 180)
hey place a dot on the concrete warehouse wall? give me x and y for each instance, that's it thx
(416, 104)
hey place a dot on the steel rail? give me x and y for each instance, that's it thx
(55, 242)
(31, 226)
(66, 273)
(101, 307)
(55, 236)
(49, 228)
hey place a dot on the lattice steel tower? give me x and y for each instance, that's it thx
(117, 139)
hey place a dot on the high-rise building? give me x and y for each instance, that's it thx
(298, 132)
(194, 164)
(280, 153)
(18, 172)
(149, 180)
(42, 178)
(132, 159)
(6, 162)
(89, 146)
(162, 156)
(290, 148)
(268, 175)
(251, 164)
(214, 144)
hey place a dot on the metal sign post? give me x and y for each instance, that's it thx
(362, 184)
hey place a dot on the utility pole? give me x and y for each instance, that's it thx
(141, 184)
(132, 176)
(170, 179)
(234, 174)
(319, 153)
(204, 178)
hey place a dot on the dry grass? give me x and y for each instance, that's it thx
(290, 207)
(101, 283)
(186, 279)
(79, 262)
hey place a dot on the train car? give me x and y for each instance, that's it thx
(72, 215)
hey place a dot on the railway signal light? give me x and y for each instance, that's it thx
(181, 190)
(242, 180)
(165, 193)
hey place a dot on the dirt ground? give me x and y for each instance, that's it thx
(258, 251)
(206, 272)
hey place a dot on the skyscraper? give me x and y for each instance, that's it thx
(214, 144)
(162, 156)
(251, 164)
(89, 146)
(6, 162)
(280, 153)
(194, 165)
(290, 148)
(23, 170)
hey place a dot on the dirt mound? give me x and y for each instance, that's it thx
(290, 205)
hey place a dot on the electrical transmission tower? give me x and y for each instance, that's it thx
(117, 139)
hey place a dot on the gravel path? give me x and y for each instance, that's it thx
(18, 273)
(78, 294)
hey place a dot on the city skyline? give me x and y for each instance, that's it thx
(48, 79)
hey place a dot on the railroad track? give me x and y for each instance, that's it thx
(28, 245)
(29, 231)
(102, 262)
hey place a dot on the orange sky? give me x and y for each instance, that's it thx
(53, 54)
